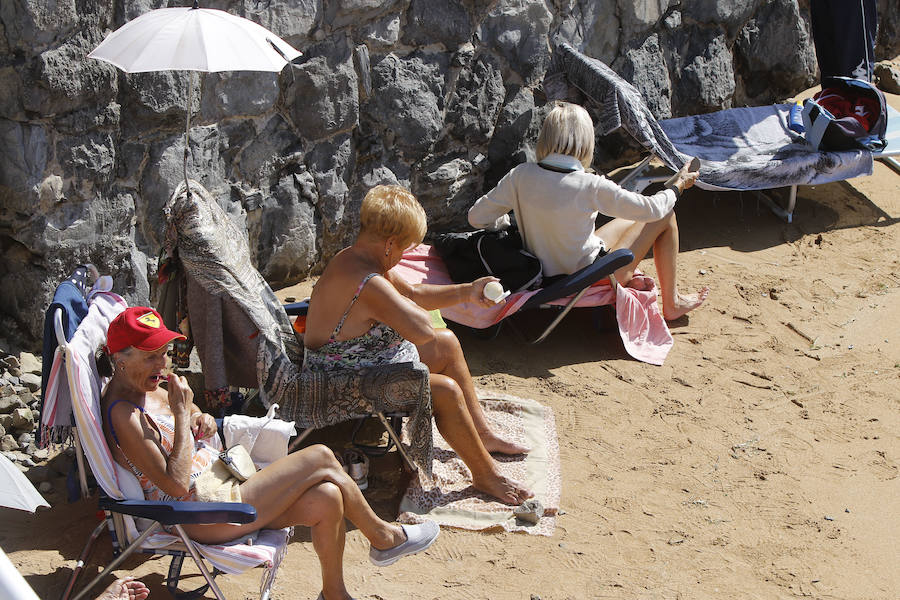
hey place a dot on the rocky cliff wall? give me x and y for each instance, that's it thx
(441, 95)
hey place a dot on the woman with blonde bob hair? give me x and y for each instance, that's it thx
(556, 202)
(361, 314)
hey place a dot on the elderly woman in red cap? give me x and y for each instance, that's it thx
(162, 437)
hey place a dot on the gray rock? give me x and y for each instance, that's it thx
(383, 32)
(45, 487)
(29, 399)
(446, 186)
(24, 150)
(292, 21)
(29, 363)
(888, 43)
(287, 240)
(707, 78)
(32, 27)
(732, 14)
(7, 389)
(245, 93)
(11, 362)
(87, 158)
(445, 22)
(341, 13)
(6, 422)
(514, 134)
(8, 444)
(9, 404)
(518, 30)
(408, 100)
(592, 27)
(644, 67)
(64, 80)
(887, 76)
(25, 440)
(475, 102)
(321, 99)
(640, 15)
(775, 52)
(22, 419)
(40, 454)
(2, 431)
(529, 511)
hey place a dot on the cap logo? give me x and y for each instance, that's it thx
(149, 319)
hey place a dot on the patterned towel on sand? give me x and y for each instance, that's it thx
(448, 497)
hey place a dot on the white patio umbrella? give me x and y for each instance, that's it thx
(15, 489)
(193, 39)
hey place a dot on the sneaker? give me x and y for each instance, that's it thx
(356, 464)
(418, 538)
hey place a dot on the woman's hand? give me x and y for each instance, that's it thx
(686, 177)
(180, 395)
(203, 425)
(476, 292)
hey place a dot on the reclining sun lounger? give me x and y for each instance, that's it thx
(641, 325)
(740, 148)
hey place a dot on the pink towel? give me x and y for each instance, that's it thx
(641, 324)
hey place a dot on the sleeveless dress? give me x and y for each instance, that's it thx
(379, 345)
(203, 455)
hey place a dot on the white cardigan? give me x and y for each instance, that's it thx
(555, 212)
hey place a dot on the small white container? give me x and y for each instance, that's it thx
(494, 292)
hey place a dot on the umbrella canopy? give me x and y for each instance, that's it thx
(194, 39)
(15, 489)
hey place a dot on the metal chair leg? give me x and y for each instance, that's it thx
(79, 565)
(299, 439)
(200, 564)
(396, 439)
(118, 560)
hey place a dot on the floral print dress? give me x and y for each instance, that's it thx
(379, 345)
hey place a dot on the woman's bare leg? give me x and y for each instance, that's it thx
(321, 509)
(662, 236)
(455, 424)
(444, 355)
(275, 490)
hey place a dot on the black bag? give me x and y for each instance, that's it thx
(827, 131)
(473, 254)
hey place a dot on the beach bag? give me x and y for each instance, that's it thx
(265, 437)
(221, 482)
(474, 254)
(848, 114)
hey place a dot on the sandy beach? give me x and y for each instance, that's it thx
(761, 461)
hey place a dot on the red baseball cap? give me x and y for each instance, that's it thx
(138, 327)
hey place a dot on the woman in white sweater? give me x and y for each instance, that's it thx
(556, 202)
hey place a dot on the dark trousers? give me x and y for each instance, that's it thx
(844, 35)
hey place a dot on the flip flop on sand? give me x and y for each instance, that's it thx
(418, 538)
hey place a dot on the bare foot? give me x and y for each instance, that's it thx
(504, 489)
(685, 304)
(492, 443)
(125, 589)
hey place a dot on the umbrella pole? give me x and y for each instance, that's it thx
(187, 128)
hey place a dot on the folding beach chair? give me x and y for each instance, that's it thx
(135, 524)
(740, 148)
(214, 257)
